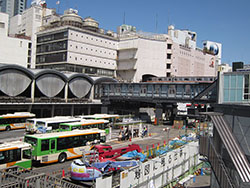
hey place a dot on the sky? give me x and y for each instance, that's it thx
(223, 21)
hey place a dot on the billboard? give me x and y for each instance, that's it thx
(213, 48)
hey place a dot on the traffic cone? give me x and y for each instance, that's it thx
(63, 173)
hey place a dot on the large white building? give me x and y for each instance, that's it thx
(13, 50)
(141, 55)
(28, 24)
(70, 43)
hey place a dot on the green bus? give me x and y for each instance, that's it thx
(110, 117)
(60, 146)
(14, 121)
(84, 124)
(15, 153)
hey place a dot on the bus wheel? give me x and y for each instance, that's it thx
(62, 158)
(7, 128)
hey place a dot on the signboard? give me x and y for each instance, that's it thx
(162, 169)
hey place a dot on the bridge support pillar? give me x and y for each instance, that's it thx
(105, 105)
(158, 114)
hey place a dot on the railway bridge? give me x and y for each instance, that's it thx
(49, 92)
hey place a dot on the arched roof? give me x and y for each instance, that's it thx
(40, 72)
(26, 71)
(99, 80)
(75, 75)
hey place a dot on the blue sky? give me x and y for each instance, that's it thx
(223, 21)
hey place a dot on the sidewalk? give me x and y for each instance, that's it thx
(201, 182)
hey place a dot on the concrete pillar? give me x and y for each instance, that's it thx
(32, 95)
(158, 113)
(72, 110)
(52, 110)
(89, 109)
(104, 109)
(66, 89)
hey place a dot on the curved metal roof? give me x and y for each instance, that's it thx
(40, 72)
(72, 76)
(98, 80)
(29, 73)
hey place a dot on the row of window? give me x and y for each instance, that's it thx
(90, 60)
(51, 37)
(62, 45)
(49, 58)
(92, 50)
(69, 142)
(13, 155)
(94, 39)
(12, 120)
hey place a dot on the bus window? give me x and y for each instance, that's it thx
(30, 140)
(40, 124)
(27, 154)
(10, 156)
(2, 157)
(45, 145)
(74, 127)
(54, 125)
(53, 145)
(65, 127)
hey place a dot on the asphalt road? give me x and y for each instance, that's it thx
(158, 135)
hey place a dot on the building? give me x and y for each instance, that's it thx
(142, 55)
(70, 43)
(13, 7)
(28, 23)
(13, 50)
(185, 59)
(228, 149)
(225, 68)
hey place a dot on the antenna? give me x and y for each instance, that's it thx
(124, 17)
(156, 23)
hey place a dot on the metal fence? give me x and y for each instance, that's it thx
(207, 149)
(17, 177)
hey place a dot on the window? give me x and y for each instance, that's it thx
(53, 145)
(2, 25)
(45, 145)
(169, 46)
(10, 156)
(169, 56)
(168, 66)
(27, 154)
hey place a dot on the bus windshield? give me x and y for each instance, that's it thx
(27, 154)
(40, 124)
(30, 140)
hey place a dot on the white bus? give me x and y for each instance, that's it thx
(41, 125)
(14, 121)
(60, 146)
(15, 153)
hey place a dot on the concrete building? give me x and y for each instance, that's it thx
(28, 24)
(13, 50)
(141, 55)
(225, 68)
(70, 43)
(13, 7)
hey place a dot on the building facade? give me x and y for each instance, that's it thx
(69, 43)
(141, 55)
(13, 7)
(28, 23)
(13, 50)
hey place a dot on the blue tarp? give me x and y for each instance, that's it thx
(134, 154)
